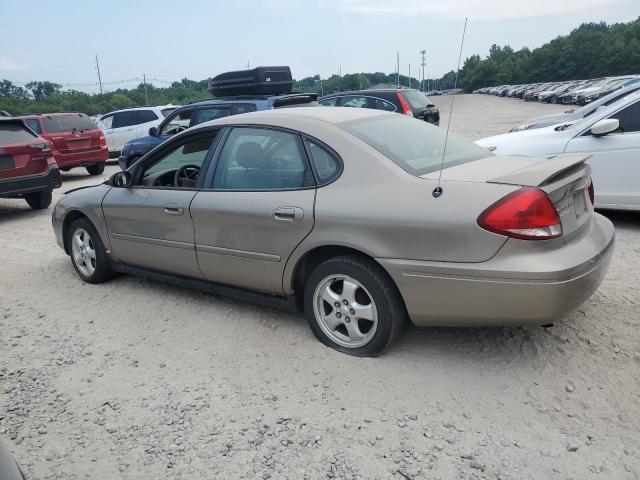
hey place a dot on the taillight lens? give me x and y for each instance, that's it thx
(403, 103)
(592, 193)
(101, 139)
(526, 213)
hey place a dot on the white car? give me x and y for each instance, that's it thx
(122, 126)
(610, 134)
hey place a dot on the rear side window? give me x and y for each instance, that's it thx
(34, 125)
(207, 114)
(144, 116)
(380, 104)
(326, 163)
(261, 159)
(124, 119)
(354, 101)
(14, 132)
(106, 122)
(68, 123)
(417, 100)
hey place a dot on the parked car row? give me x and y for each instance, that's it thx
(608, 134)
(578, 92)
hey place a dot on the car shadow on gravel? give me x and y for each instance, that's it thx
(621, 219)
(17, 209)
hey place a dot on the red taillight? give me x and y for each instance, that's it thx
(403, 103)
(101, 139)
(526, 213)
(592, 193)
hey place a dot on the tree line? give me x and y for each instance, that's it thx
(592, 50)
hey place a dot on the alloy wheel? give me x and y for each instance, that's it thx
(83, 252)
(345, 311)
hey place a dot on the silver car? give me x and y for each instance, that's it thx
(341, 213)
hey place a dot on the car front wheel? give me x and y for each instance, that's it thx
(88, 255)
(352, 306)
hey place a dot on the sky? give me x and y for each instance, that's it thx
(167, 40)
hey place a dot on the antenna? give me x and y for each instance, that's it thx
(437, 192)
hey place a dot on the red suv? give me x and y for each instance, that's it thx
(75, 138)
(27, 167)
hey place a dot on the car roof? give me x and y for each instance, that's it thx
(371, 91)
(331, 115)
(148, 107)
(52, 114)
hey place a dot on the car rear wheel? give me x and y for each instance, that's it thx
(38, 200)
(353, 307)
(96, 168)
(88, 255)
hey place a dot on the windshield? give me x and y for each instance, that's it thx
(414, 145)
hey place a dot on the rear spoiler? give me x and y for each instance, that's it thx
(540, 173)
(295, 99)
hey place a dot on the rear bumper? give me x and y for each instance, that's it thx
(14, 187)
(524, 284)
(80, 159)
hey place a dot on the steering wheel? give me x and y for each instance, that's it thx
(186, 176)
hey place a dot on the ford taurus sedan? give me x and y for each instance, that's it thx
(342, 213)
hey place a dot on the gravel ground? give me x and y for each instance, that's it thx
(138, 380)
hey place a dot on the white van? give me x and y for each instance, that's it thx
(122, 126)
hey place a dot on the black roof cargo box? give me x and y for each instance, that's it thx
(257, 81)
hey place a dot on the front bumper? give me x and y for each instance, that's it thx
(18, 186)
(527, 283)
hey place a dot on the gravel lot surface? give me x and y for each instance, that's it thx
(139, 380)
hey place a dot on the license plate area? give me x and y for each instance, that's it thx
(580, 203)
(6, 162)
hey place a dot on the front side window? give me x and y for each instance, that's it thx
(629, 118)
(414, 146)
(354, 101)
(34, 125)
(261, 159)
(180, 165)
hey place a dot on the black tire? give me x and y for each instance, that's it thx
(96, 168)
(103, 270)
(38, 200)
(390, 307)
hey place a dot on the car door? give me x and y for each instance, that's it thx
(256, 210)
(145, 119)
(123, 127)
(615, 160)
(149, 223)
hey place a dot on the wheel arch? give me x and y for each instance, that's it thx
(70, 217)
(311, 258)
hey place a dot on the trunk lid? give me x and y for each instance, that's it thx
(72, 132)
(564, 178)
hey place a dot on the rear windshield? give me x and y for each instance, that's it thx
(68, 123)
(414, 145)
(417, 100)
(14, 132)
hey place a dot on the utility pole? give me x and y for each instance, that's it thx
(340, 70)
(144, 81)
(248, 66)
(409, 75)
(98, 69)
(398, 69)
(423, 54)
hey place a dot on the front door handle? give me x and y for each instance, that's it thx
(173, 209)
(288, 214)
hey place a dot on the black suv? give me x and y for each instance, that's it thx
(401, 100)
(195, 113)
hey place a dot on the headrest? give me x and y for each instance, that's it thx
(250, 155)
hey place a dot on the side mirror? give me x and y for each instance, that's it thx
(605, 127)
(121, 179)
(153, 132)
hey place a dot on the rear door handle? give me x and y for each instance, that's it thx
(173, 209)
(288, 214)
